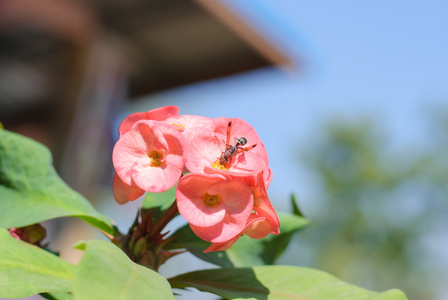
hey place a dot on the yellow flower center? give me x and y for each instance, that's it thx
(211, 200)
(218, 165)
(179, 127)
(156, 158)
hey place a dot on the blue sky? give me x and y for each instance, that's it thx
(379, 59)
(386, 60)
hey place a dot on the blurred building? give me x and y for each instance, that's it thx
(68, 67)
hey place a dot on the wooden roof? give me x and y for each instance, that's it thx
(177, 42)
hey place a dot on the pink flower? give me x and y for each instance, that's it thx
(206, 149)
(262, 205)
(158, 114)
(149, 157)
(217, 208)
(224, 197)
(262, 221)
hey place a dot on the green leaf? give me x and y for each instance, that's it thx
(246, 251)
(295, 207)
(277, 282)
(31, 191)
(249, 252)
(187, 239)
(105, 272)
(26, 270)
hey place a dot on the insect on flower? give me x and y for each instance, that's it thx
(231, 150)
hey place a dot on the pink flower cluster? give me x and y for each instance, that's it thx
(223, 194)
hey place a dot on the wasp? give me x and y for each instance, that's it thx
(225, 158)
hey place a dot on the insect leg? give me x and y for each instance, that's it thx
(242, 150)
(229, 128)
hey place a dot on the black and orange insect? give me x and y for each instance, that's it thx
(231, 151)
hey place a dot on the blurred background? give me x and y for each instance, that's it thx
(349, 98)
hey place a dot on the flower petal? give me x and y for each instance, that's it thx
(221, 232)
(258, 228)
(158, 114)
(222, 246)
(124, 193)
(190, 125)
(263, 206)
(236, 198)
(155, 179)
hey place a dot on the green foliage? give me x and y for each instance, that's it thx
(186, 239)
(375, 206)
(277, 282)
(246, 251)
(26, 270)
(32, 192)
(295, 207)
(251, 252)
(105, 272)
(160, 200)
